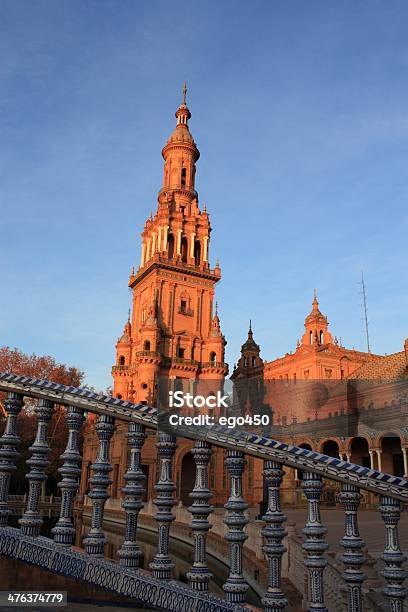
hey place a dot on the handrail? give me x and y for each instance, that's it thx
(157, 589)
(251, 444)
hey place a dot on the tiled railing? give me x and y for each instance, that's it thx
(157, 589)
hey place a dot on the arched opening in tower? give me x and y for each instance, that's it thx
(170, 243)
(184, 249)
(197, 252)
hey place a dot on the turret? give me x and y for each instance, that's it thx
(316, 327)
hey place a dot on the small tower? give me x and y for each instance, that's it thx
(123, 358)
(316, 327)
(250, 363)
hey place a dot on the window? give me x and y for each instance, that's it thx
(183, 306)
(181, 352)
(197, 252)
(121, 360)
(213, 358)
(170, 241)
(245, 362)
(253, 362)
(321, 337)
(311, 337)
(184, 249)
(183, 176)
(147, 345)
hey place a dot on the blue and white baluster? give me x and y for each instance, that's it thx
(199, 575)
(8, 452)
(236, 586)
(95, 541)
(64, 530)
(130, 552)
(353, 557)
(274, 599)
(314, 544)
(31, 520)
(392, 556)
(162, 566)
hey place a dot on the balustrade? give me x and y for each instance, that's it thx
(199, 574)
(274, 599)
(95, 541)
(314, 545)
(162, 564)
(236, 586)
(392, 556)
(31, 520)
(64, 531)
(353, 558)
(275, 539)
(130, 552)
(8, 452)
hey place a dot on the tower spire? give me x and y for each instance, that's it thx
(184, 93)
(315, 302)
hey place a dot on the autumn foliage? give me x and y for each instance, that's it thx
(14, 360)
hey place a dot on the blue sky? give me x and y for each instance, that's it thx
(300, 113)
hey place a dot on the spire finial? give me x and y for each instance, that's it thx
(315, 302)
(129, 315)
(216, 309)
(250, 325)
(184, 92)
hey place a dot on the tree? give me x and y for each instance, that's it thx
(17, 362)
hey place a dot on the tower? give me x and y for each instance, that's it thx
(173, 331)
(250, 363)
(316, 327)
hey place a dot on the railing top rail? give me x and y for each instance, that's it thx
(250, 443)
(80, 397)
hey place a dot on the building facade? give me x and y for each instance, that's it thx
(173, 333)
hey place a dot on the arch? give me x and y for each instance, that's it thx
(213, 358)
(170, 246)
(197, 252)
(146, 345)
(121, 360)
(331, 448)
(184, 249)
(187, 478)
(253, 361)
(306, 443)
(321, 337)
(392, 460)
(183, 176)
(310, 337)
(359, 451)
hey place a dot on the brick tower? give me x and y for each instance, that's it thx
(172, 332)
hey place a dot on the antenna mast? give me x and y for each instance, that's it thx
(365, 312)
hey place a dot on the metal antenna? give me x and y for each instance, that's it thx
(365, 311)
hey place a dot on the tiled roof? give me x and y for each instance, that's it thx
(388, 367)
